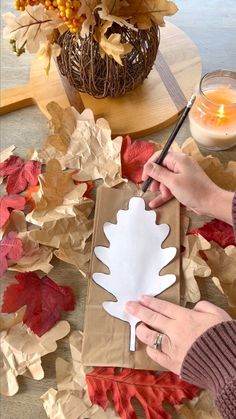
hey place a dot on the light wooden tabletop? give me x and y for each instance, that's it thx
(212, 26)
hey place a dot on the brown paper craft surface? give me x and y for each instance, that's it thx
(106, 338)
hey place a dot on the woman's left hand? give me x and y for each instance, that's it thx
(179, 327)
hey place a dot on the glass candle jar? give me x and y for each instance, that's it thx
(213, 116)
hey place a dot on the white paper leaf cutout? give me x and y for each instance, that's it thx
(135, 258)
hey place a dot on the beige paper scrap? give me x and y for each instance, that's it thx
(222, 263)
(57, 197)
(193, 265)
(22, 351)
(71, 399)
(35, 257)
(89, 147)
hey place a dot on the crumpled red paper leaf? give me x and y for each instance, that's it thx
(134, 154)
(11, 249)
(44, 300)
(217, 231)
(20, 173)
(7, 202)
(149, 389)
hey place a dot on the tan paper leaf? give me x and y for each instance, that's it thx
(46, 52)
(71, 399)
(108, 14)
(69, 236)
(62, 124)
(94, 152)
(35, 257)
(57, 233)
(22, 351)
(155, 9)
(31, 27)
(112, 6)
(223, 177)
(79, 259)
(193, 265)
(68, 405)
(91, 149)
(87, 9)
(223, 266)
(8, 320)
(16, 222)
(202, 407)
(57, 196)
(72, 376)
(112, 45)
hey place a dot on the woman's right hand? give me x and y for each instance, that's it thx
(180, 176)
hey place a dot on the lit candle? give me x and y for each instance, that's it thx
(213, 116)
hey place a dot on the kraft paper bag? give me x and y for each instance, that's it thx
(106, 338)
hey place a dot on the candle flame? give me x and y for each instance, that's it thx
(221, 111)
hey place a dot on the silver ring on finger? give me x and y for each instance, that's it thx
(158, 342)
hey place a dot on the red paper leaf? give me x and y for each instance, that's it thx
(11, 249)
(20, 173)
(44, 298)
(148, 388)
(10, 201)
(133, 157)
(217, 231)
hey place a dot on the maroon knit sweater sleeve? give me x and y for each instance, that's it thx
(234, 214)
(210, 363)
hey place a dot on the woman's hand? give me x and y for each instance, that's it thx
(182, 177)
(179, 326)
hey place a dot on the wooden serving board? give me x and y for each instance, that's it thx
(148, 108)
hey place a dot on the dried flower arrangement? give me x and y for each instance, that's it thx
(35, 29)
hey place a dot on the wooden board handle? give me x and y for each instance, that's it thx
(15, 98)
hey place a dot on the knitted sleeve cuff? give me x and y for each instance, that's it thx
(210, 363)
(234, 214)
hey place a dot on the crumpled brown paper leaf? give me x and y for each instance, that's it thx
(225, 177)
(79, 259)
(91, 149)
(201, 407)
(222, 263)
(69, 236)
(7, 321)
(57, 197)
(71, 399)
(193, 265)
(35, 257)
(62, 124)
(22, 351)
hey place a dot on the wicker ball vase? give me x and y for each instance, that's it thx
(81, 63)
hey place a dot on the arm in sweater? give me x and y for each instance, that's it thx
(211, 361)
